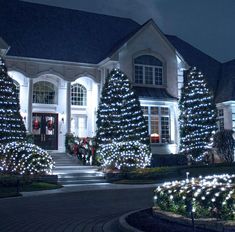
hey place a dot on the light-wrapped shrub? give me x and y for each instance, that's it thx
(208, 197)
(25, 158)
(125, 154)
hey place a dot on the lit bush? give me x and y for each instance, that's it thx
(25, 158)
(208, 197)
(125, 154)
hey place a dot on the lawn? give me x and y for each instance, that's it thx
(10, 188)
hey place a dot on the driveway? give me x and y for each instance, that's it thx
(83, 211)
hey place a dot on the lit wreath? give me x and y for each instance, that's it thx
(36, 124)
(50, 125)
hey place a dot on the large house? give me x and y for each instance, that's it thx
(59, 58)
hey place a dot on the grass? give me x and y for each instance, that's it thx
(11, 191)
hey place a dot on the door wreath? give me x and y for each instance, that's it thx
(50, 125)
(36, 124)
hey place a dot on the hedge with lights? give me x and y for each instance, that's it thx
(197, 114)
(25, 159)
(122, 133)
(208, 197)
(11, 124)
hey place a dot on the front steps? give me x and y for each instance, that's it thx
(70, 172)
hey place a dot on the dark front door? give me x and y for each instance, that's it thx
(45, 130)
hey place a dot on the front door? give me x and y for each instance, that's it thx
(45, 130)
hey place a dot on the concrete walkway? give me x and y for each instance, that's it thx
(71, 173)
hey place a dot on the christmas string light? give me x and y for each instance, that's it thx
(122, 134)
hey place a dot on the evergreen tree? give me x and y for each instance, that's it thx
(197, 116)
(122, 135)
(11, 124)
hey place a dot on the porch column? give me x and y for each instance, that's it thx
(68, 108)
(30, 105)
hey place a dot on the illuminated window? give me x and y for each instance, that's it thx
(158, 119)
(78, 95)
(44, 93)
(148, 70)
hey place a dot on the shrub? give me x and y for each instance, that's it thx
(69, 141)
(208, 197)
(25, 158)
(224, 145)
(124, 155)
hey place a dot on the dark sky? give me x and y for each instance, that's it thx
(207, 24)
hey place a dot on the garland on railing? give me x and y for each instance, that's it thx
(83, 148)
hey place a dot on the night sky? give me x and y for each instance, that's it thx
(206, 24)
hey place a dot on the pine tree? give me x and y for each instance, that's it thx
(11, 124)
(197, 116)
(122, 135)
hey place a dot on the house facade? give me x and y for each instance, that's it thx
(59, 58)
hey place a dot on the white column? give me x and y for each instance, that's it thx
(68, 108)
(30, 106)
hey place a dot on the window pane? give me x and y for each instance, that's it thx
(155, 135)
(78, 95)
(221, 124)
(44, 93)
(148, 75)
(165, 129)
(220, 112)
(154, 110)
(158, 76)
(138, 74)
(148, 70)
(164, 111)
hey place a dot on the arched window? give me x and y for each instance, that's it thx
(17, 85)
(148, 70)
(44, 92)
(78, 95)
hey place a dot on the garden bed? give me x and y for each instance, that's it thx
(148, 220)
(162, 174)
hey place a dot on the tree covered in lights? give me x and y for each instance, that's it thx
(11, 124)
(197, 114)
(122, 134)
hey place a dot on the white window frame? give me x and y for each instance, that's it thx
(84, 99)
(154, 67)
(160, 116)
(54, 89)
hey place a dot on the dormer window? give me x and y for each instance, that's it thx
(148, 70)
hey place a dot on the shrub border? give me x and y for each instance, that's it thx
(211, 224)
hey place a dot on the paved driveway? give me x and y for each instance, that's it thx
(75, 211)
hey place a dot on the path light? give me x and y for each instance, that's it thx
(187, 174)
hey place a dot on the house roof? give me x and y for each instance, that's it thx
(153, 93)
(194, 57)
(226, 85)
(54, 33)
(48, 32)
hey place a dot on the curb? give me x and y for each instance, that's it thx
(124, 226)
